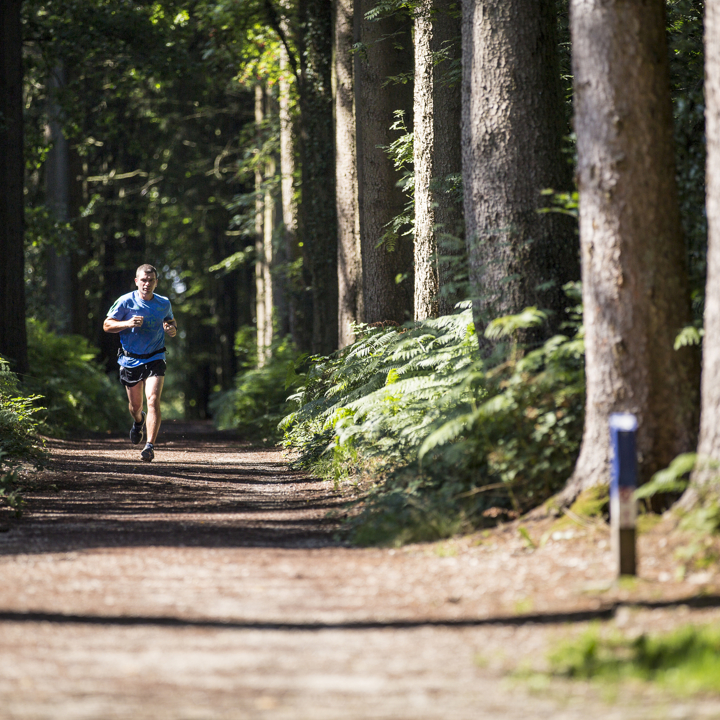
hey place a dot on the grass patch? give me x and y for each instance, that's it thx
(647, 521)
(590, 509)
(592, 503)
(685, 661)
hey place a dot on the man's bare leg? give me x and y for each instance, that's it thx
(153, 391)
(135, 401)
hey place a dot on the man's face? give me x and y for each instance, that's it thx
(146, 283)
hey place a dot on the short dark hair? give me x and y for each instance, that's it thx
(146, 268)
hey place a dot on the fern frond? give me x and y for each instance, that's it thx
(445, 433)
(508, 325)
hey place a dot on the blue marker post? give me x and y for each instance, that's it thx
(623, 481)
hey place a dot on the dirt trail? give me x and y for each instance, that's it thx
(208, 584)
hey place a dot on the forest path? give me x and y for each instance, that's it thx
(208, 585)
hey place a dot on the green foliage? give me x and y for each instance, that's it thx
(564, 203)
(685, 40)
(686, 660)
(156, 113)
(19, 442)
(400, 151)
(703, 520)
(258, 401)
(18, 438)
(11, 489)
(77, 394)
(510, 325)
(689, 335)
(592, 503)
(673, 479)
(447, 436)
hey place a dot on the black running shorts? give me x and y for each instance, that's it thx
(130, 376)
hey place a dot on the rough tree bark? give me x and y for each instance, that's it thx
(436, 112)
(349, 258)
(317, 158)
(706, 478)
(635, 289)
(386, 52)
(13, 338)
(57, 189)
(512, 131)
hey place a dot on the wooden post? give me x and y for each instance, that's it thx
(623, 481)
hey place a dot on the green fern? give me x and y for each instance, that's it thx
(438, 424)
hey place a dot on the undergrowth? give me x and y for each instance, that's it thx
(258, 402)
(685, 661)
(19, 442)
(436, 437)
(76, 393)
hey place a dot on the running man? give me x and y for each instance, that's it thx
(142, 318)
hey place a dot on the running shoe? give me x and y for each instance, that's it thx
(137, 432)
(148, 453)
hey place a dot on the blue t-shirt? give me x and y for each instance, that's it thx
(150, 336)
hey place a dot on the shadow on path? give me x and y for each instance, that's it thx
(206, 489)
(579, 616)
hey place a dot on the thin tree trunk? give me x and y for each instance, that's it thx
(270, 225)
(319, 216)
(57, 171)
(512, 136)
(262, 289)
(349, 259)
(13, 338)
(706, 478)
(79, 198)
(635, 291)
(224, 291)
(437, 112)
(387, 53)
(291, 250)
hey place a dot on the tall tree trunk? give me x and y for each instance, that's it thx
(291, 250)
(79, 199)
(706, 478)
(13, 338)
(224, 298)
(437, 112)
(263, 289)
(512, 136)
(271, 223)
(349, 259)
(317, 158)
(387, 53)
(57, 171)
(635, 289)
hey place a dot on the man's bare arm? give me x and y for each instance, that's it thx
(116, 326)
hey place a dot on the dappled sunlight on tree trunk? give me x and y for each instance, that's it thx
(706, 478)
(635, 290)
(513, 124)
(436, 149)
(349, 256)
(382, 86)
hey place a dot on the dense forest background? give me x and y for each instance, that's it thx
(370, 207)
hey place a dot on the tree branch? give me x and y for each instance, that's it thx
(274, 20)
